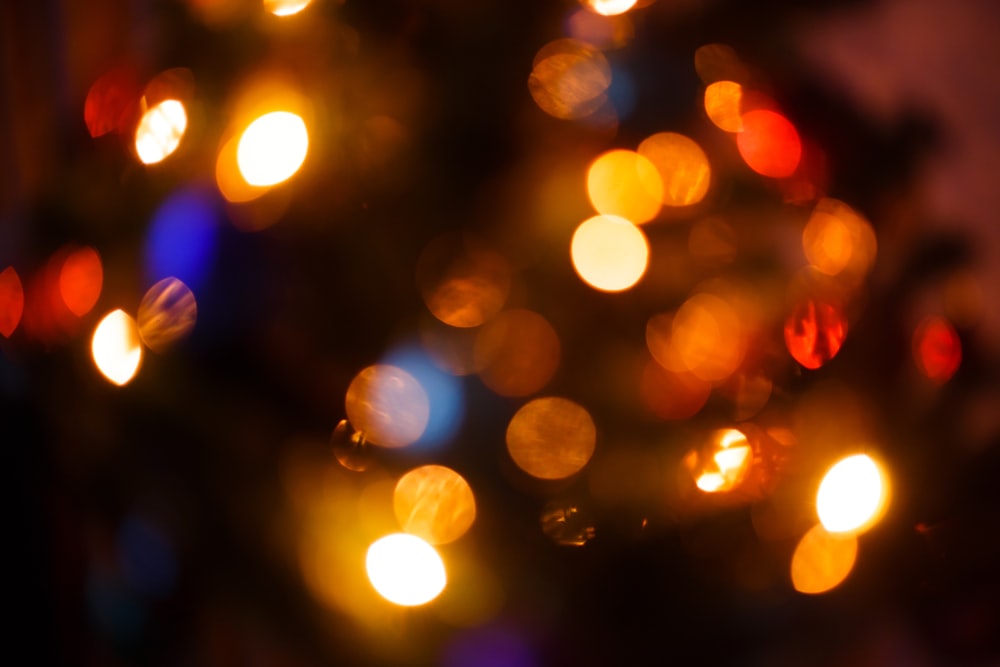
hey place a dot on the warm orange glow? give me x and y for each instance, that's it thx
(723, 100)
(708, 337)
(814, 332)
(115, 347)
(463, 282)
(672, 395)
(769, 143)
(610, 7)
(724, 465)
(435, 503)
(518, 352)
(286, 7)
(749, 394)
(837, 239)
(11, 301)
(167, 313)
(683, 167)
(388, 405)
(272, 148)
(822, 561)
(569, 79)
(405, 570)
(625, 184)
(852, 496)
(937, 350)
(609, 253)
(604, 32)
(551, 438)
(231, 183)
(160, 131)
(80, 280)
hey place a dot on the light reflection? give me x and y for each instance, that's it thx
(350, 447)
(838, 240)
(272, 148)
(566, 524)
(518, 352)
(160, 131)
(723, 102)
(610, 7)
(937, 349)
(769, 143)
(683, 167)
(11, 301)
(551, 438)
(286, 7)
(569, 79)
(814, 332)
(167, 314)
(115, 347)
(435, 503)
(405, 570)
(609, 253)
(625, 183)
(822, 560)
(388, 405)
(852, 495)
(724, 465)
(80, 279)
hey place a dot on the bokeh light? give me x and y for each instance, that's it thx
(838, 240)
(708, 337)
(769, 143)
(671, 395)
(603, 32)
(463, 282)
(286, 7)
(160, 131)
(683, 167)
(388, 405)
(518, 352)
(551, 438)
(937, 349)
(405, 570)
(115, 347)
(724, 464)
(80, 280)
(609, 253)
(435, 503)
(852, 495)
(624, 183)
(610, 7)
(272, 148)
(445, 393)
(109, 100)
(11, 301)
(167, 313)
(182, 238)
(822, 560)
(569, 79)
(723, 105)
(230, 180)
(814, 332)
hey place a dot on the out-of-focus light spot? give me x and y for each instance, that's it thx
(272, 148)
(708, 337)
(146, 556)
(852, 495)
(609, 253)
(672, 395)
(228, 178)
(160, 131)
(435, 503)
(350, 447)
(11, 301)
(109, 100)
(167, 313)
(551, 438)
(769, 143)
(566, 525)
(388, 405)
(445, 394)
(626, 184)
(814, 332)
(518, 352)
(723, 100)
(937, 349)
(569, 79)
(116, 348)
(181, 240)
(80, 280)
(405, 570)
(46, 316)
(712, 240)
(610, 7)
(463, 283)
(604, 32)
(963, 299)
(822, 561)
(837, 239)
(683, 167)
(286, 7)
(724, 465)
(719, 62)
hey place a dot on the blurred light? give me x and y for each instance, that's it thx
(963, 299)
(719, 62)
(683, 167)
(445, 393)
(405, 570)
(566, 525)
(724, 465)
(286, 7)
(822, 561)
(723, 100)
(463, 282)
(712, 240)
(109, 100)
(350, 447)
(116, 348)
(814, 332)
(672, 395)
(146, 556)
(228, 178)
(604, 32)
(852, 495)
(626, 184)
(160, 131)
(518, 352)
(837, 239)
(937, 349)
(609, 253)
(388, 405)
(610, 7)
(80, 280)
(569, 79)
(46, 315)
(182, 237)
(434, 503)
(551, 438)
(11, 301)
(708, 337)
(272, 148)
(769, 143)
(167, 313)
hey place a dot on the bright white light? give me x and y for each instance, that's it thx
(272, 148)
(116, 348)
(405, 570)
(160, 131)
(851, 494)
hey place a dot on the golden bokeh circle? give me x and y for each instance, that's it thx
(388, 405)
(683, 167)
(551, 438)
(435, 503)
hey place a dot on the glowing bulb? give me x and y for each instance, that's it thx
(851, 495)
(405, 570)
(286, 7)
(609, 253)
(116, 348)
(160, 131)
(272, 148)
